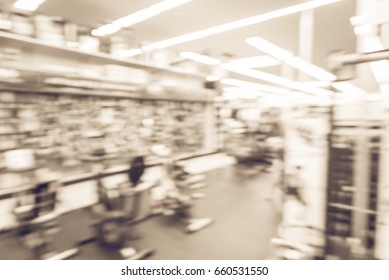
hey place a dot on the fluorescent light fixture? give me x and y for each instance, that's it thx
(256, 61)
(372, 44)
(274, 79)
(105, 30)
(137, 17)
(310, 69)
(347, 87)
(242, 23)
(149, 12)
(28, 5)
(269, 48)
(309, 89)
(318, 83)
(252, 86)
(294, 61)
(379, 68)
(200, 58)
(256, 74)
(384, 88)
(376, 96)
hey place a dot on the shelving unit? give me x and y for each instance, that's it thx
(353, 189)
(342, 187)
(374, 152)
(24, 41)
(132, 115)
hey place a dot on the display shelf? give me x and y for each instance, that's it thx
(88, 176)
(43, 72)
(200, 96)
(28, 41)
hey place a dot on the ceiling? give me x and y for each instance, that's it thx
(332, 30)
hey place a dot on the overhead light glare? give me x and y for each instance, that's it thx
(269, 48)
(28, 5)
(138, 17)
(310, 69)
(242, 23)
(260, 61)
(347, 87)
(309, 89)
(200, 58)
(105, 30)
(253, 86)
(213, 78)
(129, 53)
(256, 74)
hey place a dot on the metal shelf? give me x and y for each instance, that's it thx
(97, 55)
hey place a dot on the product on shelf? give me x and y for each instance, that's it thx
(127, 74)
(22, 24)
(5, 22)
(47, 123)
(49, 29)
(19, 159)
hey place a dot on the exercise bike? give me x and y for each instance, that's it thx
(117, 206)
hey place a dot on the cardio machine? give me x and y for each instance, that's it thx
(118, 205)
(38, 221)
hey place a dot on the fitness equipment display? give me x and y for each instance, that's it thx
(118, 205)
(171, 198)
(297, 242)
(38, 220)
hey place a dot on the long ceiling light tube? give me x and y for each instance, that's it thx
(137, 17)
(200, 58)
(253, 86)
(241, 23)
(256, 74)
(28, 5)
(287, 57)
(256, 61)
(274, 79)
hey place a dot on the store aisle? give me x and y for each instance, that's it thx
(244, 222)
